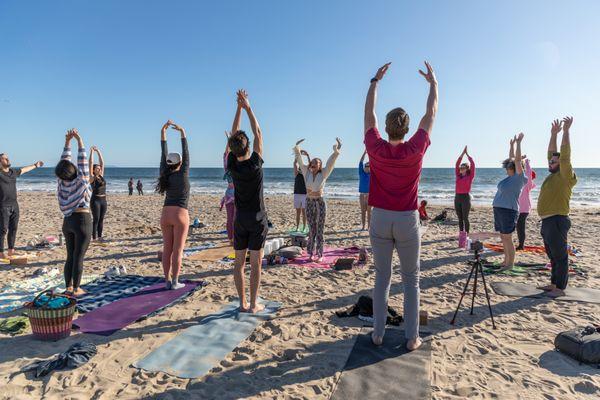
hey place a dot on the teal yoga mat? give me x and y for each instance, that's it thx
(201, 347)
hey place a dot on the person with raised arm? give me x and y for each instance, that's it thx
(300, 194)
(396, 166)
(465, 174)
(74, 195)
(228, 199)
(554, 206)
(174, 183)
(315, 176)
(9, 206)
(525, 204)
(98, 202)
(251, 223)
(364, 177)
(506, 201)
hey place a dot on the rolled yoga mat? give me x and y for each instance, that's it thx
(201, 347)
(512, 289)
(112, 317)
(388, 371)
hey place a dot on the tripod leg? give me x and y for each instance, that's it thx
(474, 290)
(487, 295)
(462, 295)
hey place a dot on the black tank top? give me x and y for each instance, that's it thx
(299, 184)
(99, 186)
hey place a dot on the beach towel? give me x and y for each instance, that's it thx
(388, 371)
(201, 347)
(14, 325)
(512, 289)
(215, 253)
(196, 249)
(150, 300)
(498, 248)
(77, 355)
(107, 289)
(330, 256)
(526, 268)
(15, 294)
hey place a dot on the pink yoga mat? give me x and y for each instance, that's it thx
(114, 316)
(330, 256)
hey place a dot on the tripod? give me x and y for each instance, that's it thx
(477, 269)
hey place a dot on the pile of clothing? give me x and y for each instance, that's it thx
(77, 355)
(363, 309)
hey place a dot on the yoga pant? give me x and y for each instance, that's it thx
(521, 223)
(250, 231)
(98, 206)
(9, 222)
(230, 208)
(316, 212)
(555, 231)
(140, 192)
(174, 224)
(77, 229)
(462, 206)
(396, 230)
(505, 220)
(131, 191)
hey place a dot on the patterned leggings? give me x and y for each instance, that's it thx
(316, 211)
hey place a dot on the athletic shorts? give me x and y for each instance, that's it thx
(505, 220)
(250, 231)
(299, 201)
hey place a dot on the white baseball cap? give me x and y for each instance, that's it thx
(173, 158)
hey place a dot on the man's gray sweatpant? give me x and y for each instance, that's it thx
(399, 230)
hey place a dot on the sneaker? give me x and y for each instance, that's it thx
(112, 271)
(122, 270)
(177, 285)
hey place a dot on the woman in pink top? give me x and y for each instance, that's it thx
(465, 173)
(395, 171)
(525, 204)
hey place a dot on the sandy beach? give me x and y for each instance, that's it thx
(301, 353)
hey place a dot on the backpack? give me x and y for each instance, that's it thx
(581, 343)
(290, 252)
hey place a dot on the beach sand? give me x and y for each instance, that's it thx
(300, 353)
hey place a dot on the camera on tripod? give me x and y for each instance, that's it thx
(475, 246)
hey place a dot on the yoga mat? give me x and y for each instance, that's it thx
(585, 295)
(498, 248)
(196, 249)
(112, 288)
(213, 254)
(330, 256)
(108, 319)
(388, 371)
(201, 347)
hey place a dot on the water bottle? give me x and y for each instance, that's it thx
(60, 239)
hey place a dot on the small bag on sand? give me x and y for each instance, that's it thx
(582, 344)
(290, 252)
(342, 264)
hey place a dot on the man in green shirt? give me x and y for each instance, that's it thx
(553, 206)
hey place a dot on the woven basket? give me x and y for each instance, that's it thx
(51, 324)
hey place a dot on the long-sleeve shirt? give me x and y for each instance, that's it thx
(363, 178)
(464, 182)
(315, 182)
(556, 191)
(76, 193)
(178, 184)
(525, 198)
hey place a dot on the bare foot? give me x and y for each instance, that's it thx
(11, 252)
(69, 290)
(319, 260)
(377, 340)
(244, 307)
(547, 288)
(414, 344)
(258, 307)
(556, 293)
(79, 292)
(3, 256)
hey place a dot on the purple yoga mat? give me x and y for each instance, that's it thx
(108, 319)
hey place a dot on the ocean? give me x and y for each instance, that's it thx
(437, 184)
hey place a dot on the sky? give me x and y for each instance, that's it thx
(117, 70)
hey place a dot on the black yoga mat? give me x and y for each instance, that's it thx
(388, 371)
(585, 295)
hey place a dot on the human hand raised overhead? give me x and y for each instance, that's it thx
(519, 137)
(39, 164)
(166, 125)
(176, 127)
(430, 74)
(304, 153)
(243, 100)
(338, 145)
(381, 71)
(556, 127)
(299, 141)
(566, 123)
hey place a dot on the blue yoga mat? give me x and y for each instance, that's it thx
(201, 347)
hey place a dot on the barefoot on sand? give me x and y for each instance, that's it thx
(258, 307)
(414, 344)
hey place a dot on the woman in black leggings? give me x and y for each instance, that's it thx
(465, 173)
(98, 203)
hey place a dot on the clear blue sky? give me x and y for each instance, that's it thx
(117, 70)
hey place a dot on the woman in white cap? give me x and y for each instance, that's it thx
(174, 183)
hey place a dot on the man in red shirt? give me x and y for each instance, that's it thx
(395, 171)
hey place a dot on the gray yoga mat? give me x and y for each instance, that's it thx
(388, 371)
(512, 289)
(201, 347)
